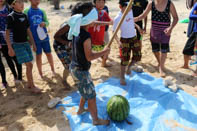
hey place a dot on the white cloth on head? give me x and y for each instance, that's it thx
(78, 20)
(128, 27)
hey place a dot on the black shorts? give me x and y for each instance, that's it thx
(189, 46)
(139, 23)
(163, 47)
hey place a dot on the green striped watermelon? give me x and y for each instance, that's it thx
(118, 108)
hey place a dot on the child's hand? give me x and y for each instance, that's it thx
(168, 31)
(142, 31)
(42, 24)
(11, 52)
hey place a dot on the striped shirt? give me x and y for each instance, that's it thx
(3, 21)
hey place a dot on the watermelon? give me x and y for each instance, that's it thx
(118, 108)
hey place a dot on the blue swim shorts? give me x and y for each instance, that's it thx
(45, 45)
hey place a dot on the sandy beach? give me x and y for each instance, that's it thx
(21, 110)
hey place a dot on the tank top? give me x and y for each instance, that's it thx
(161, 20)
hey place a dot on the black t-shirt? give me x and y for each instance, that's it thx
(78, 54)
(18, 23)
(138, 7)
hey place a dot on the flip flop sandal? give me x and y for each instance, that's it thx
(53, 102)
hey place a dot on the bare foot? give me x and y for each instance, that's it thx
(41, 76)
(195, 89)
(194, 74)
(101, 122)
(128, 72)
(53, 74)
(185, 67)
(158, 66)
(106, 65)
(81, 111)
(123, 82)
(162, 73)
(66, 85)
(35, 90)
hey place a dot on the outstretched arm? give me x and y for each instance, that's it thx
(145, 23)
(139, 29)
(92, 55)
(103, 23)
(145, 13)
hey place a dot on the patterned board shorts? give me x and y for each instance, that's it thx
(23, 52)
(64, 54)
(129, 44)
(84, 83)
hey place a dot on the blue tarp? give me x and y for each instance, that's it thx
(153, 107)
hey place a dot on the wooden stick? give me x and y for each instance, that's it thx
(120, 22)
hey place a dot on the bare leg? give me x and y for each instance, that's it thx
(39, 64)
(65, 75)
(195, 73)
(162, 64)
(50, 60)
(29, 67)
(186, 62)
(81, 106)
(93, 111)
(129, 67)
(157, 56)
(122, 73)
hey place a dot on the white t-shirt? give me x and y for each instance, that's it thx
(127, 28)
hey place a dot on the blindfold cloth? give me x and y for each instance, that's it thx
(78, 20)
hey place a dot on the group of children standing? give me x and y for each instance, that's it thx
(83, 39)
(19, 32)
